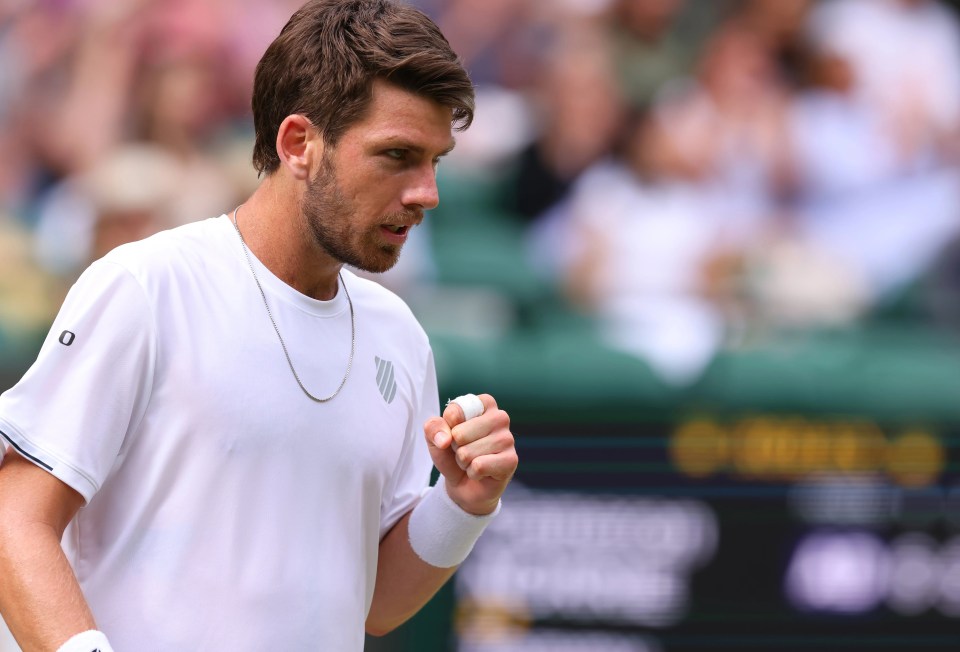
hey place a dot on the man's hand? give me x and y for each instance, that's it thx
(477, 458)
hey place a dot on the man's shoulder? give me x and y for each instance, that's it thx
(375, 296)
(192, 243)
(386, 306)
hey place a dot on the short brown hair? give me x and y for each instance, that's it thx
(324, 62)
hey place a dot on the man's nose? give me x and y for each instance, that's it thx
(423, 191)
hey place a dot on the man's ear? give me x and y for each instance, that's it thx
(298, 145)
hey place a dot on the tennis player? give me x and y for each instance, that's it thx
(226, 440)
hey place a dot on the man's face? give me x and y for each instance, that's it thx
(374, 186)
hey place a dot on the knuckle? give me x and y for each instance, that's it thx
(452, 415)
(501, 440)
(478, 467)
(457, 435)
(464, 458)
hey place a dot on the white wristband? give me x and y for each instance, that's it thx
(89, 641)
(440, 532)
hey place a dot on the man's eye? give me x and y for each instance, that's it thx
(397, 154)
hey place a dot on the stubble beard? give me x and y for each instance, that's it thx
(329, 216)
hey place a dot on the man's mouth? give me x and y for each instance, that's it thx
(398, 229)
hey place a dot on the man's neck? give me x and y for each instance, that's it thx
(274, 230)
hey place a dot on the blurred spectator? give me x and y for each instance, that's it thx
(180, 111)
(78, 78)
(917, 95)
(643, 234)
(871, 192)
(89, 214)
(578, 109)
(595, 70)
(839, 142)
(728, 122)
(780, 24)
(657, 41)
(36, 40)
(498, 40)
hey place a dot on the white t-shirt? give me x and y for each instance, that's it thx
(225, 510)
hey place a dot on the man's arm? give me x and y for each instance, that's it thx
(404, 581)
(41, 600)
(477, 459)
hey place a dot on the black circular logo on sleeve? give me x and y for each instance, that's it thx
(67, 337)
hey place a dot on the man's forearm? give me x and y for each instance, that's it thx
(41, 600)
(404, 581)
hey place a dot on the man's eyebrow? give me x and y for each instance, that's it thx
(453, 143)
(417, 149)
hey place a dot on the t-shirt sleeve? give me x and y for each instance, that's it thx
(412, 474)
(74, 408)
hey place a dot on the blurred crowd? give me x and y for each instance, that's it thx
(692, 173)
(117, 119)
(685, 172)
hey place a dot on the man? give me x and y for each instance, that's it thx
(229, 431)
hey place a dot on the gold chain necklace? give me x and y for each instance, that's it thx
(283, 345)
